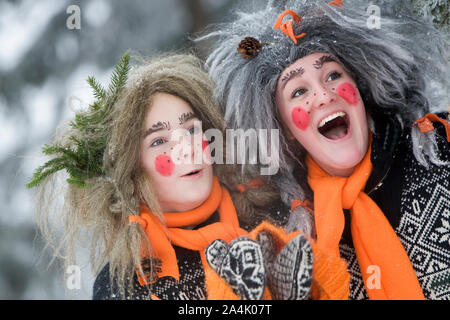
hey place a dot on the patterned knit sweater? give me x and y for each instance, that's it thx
(416, 201)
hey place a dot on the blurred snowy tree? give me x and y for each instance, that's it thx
(436, 10)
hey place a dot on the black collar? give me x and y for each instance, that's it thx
(385, 141)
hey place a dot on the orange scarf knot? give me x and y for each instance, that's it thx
(287, 27)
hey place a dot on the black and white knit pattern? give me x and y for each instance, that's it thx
(240, 264)
(424, 228)
(191, 285)
(291, 274)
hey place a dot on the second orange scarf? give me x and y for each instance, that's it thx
(376, 243)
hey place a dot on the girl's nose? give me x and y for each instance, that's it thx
(181, 148)
(187, 150)
(322, 97)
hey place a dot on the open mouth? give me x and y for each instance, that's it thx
(335, 126)
(193, 173)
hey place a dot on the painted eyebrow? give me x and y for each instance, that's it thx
(324, 59)
(186, 117)
(157, 127)
(292, 74)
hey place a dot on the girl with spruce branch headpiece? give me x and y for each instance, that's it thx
(359, 142)
(163, 225)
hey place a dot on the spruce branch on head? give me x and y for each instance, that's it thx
(81, 155)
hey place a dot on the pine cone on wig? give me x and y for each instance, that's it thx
(249, 48)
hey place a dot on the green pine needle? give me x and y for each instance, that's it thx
(99, 92)
(83, 159)
(119, 75)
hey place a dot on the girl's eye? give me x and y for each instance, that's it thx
(157, 142)
(298, 93)
(334, 75)
(194, 130)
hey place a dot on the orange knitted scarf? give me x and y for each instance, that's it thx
(163, 238)
(376, 244)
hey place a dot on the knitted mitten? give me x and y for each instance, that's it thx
(289, 274)
(240, 264)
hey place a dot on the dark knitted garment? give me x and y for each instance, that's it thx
(416, 201)
(191, 285)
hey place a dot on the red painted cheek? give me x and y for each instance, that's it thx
(164, 165)
(205, 143)
(349, 93)
(300, 118)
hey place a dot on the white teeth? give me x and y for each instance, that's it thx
(331, 117)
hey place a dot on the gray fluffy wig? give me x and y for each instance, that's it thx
(401, 70)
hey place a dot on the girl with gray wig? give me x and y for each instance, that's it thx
(378, 83)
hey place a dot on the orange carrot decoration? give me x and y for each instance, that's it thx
(336, 3)
(305, 204)
(425, 124)
(286, 27)
(253, 183)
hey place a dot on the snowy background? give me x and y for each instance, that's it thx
(43, 70)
